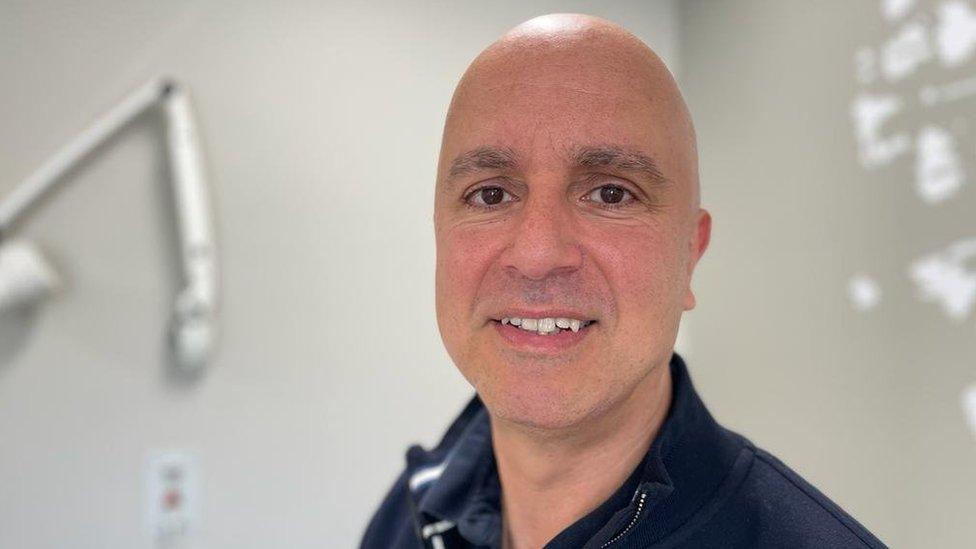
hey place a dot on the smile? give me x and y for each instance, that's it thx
(550, 335)
(547, 325)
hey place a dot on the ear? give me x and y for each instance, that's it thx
(700, 238)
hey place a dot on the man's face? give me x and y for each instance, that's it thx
(562, 195)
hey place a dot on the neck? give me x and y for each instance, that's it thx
(552, 479)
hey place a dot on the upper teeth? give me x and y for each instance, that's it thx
(546, 326)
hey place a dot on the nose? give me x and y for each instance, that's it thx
(544, 242)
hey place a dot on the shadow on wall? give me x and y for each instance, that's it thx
(16, 327)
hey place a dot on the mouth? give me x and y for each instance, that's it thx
(547, 325)
(543, 334)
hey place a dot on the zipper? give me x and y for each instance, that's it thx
(633, 522)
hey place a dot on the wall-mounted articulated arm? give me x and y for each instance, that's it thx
(194, 319)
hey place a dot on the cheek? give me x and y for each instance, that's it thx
(463, 257)
(642, 266)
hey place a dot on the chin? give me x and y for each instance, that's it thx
(537, 394)
(538, 408)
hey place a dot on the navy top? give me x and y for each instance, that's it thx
(699, 485)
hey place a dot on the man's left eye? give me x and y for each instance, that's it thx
(611, 195)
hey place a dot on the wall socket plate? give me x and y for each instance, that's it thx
(173, 496)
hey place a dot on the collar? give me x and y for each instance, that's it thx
(455, 485)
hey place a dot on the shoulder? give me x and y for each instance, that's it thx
(782, 509)
(392, 521)
(395, 522)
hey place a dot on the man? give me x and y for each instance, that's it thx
(568, 226)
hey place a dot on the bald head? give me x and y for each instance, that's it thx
(567, 61)
(567, 188)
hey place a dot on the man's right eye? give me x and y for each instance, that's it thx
(487, 197)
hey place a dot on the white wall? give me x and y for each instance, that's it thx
(865, 403)
(321, 122)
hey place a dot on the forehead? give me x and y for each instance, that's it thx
(516, 107)
(550, 116)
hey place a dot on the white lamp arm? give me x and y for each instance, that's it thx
(48, 176)
(193, 329)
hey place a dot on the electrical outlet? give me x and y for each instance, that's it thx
(173, 496)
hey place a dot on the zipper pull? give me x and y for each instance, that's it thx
(641, 497)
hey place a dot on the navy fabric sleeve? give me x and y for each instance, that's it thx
(775, 507)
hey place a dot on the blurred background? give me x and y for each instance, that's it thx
(835, 324)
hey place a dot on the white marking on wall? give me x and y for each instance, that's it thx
(870, 112)
(896, 9)
(915, 92)
(916, 95)
(969, 405)
(905, 52)
(946, 279)
(864, 293)
(938, 170)
(956, 33)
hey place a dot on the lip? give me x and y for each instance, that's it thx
(548, 313)
(546, 344)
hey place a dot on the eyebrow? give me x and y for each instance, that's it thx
(484, 158)
(587, 157)
(620, 158)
